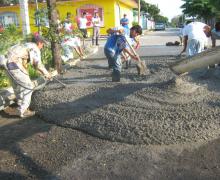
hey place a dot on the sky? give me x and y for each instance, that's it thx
(168, 8)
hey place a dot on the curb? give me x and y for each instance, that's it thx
(7, 96)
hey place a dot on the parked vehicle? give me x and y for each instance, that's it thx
(160, 26)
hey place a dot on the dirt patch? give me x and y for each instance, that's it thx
(152, 109)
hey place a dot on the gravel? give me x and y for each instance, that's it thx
(159, 108)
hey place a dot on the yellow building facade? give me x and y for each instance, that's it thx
(110, 11)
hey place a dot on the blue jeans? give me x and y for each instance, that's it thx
(114, 60)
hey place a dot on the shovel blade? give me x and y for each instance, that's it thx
(141, 68)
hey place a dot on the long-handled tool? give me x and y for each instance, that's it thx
(141, 66)
(63, 84)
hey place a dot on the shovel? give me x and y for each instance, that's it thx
(141, 66)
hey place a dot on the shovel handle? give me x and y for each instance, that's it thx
(131, 47)
(64, 85)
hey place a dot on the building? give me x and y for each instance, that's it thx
(110, 12)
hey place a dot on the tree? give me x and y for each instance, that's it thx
(199, 8)
(153, 10)
(215, 3)
(55, 47)
(150, 8)
(159, 18)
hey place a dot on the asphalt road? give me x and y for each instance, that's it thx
(66, 145)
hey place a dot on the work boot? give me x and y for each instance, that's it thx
(27, 113)
(116, 76)
(12, 111)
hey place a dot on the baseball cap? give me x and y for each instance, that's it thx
(38, 38)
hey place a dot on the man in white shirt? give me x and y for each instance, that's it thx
(82, 24)
(96, 28)
(195, 37)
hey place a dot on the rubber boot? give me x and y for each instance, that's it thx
(97, 41)
(93, 42)
(116, 76)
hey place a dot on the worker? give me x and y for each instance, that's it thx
(195, 37)
(70, 42)
(215, 34)
(115, 45)
(18, 58)
(96, 22)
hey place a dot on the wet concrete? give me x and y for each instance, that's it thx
(155, 109)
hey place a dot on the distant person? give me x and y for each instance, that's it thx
(215, 34)
(82, 23)
(96, 22)
(1, 28)
(195, 38)
(115, 45)
(125, 24)
(67, 23)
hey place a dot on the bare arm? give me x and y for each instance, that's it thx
(185, 39)
(111, 31)
(131, 54)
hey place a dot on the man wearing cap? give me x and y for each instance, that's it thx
(18, 58)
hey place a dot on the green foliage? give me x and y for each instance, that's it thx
(160, 18)
(46, 55)
(41, 17)
(134, 23)
(9, 37)
(4, 80)
(199, 8)
(153, 10)
(32, 72)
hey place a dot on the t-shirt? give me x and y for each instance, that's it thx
(34, 53)
(68, 27)
(116, 42)
(124, 20)
(25, 51)
(195, 30)
(215, 34)
(96, 21)
(82, 23)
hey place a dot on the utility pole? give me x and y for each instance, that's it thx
(25, 17)
(55, 47)
(139, 11)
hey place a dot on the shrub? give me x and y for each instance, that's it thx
(134, 23)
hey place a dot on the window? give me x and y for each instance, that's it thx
(90, 9)
(8, 18)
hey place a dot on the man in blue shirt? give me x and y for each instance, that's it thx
(115, 45)
(125, 24)
(215, 34)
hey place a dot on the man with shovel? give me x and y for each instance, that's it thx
(18, 58)
(118, 43)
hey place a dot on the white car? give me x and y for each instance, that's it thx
(160, 26)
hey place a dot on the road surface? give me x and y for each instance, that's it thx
(152, 127)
